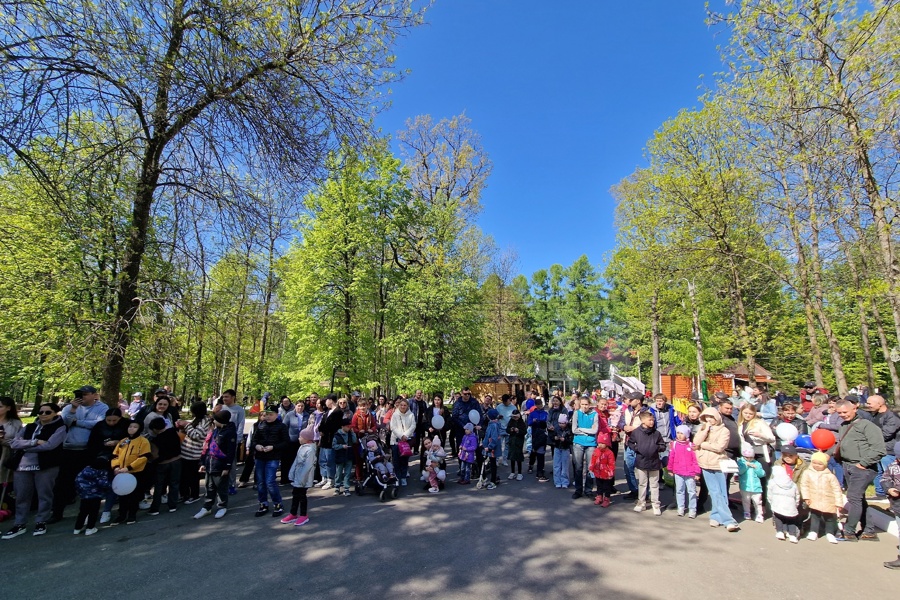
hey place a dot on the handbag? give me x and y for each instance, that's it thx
(727, 465)
(12, 462)
(404, 449)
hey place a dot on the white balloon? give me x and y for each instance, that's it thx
(124, 483)
(437, 422)
(441, 474)
(474, 417)
(786, 432)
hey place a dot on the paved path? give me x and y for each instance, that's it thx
(521, 541)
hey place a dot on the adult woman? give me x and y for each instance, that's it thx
(438, 410)
(296, 421)
(194, 432)
(711, 441)
(608, 424)
(329, 425)
(161, 411)
(403, 429)
(102, 442)
(693, 421)
(819, 409)
(757, 433)
(832, 422)
(381, 408)
(315, 419)
(344, 406)
(10, 424)
(40, 444)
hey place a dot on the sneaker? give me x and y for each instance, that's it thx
(77, 531)
(747, 516)
(848, 538)
(657, 511)
(191, 500)
(530, 470)
(733, 527)
(91, 531)
(542, 479)
(289, 519)
(793, 539)
(714, 523)
(153, 513)
(130, 521)
(519, 477)
(639, 508)
(16, 531)
(39, 529)
(831, 539)
(347, 493)
(576, 495)
(301, 521)
(202, 513)
(606, 502)
(760, 519)
(432, 490)
(327, 485)
(277, 510)
(263, 509)
(511, 476)
(144, 505)
(174, 509)
(598, 500)
(119, 520)
(337, 491)
(220, 513)
(681, 513)
(813, 536)
(105, 518)
(892, 564)
(692, 515)
(491, 486)
(780, 536)
(243, 484)
(403, 482)
(868, 537)
(231, 490)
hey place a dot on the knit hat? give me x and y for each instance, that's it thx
(493, 414)
(604, 438)
(819, 457)
(563, 418)
(345, 421)
(306, 435)
(372, 445)
(223, 416)
(436, 441)
(747, 452)
(684, 429)
(469, 427)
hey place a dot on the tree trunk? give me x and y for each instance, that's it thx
(654, 341)
(740, 313)
(695, 317)
(886, 350)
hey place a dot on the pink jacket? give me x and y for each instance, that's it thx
(683, 460)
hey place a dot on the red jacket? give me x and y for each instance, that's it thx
(603, 464)
(361, 422)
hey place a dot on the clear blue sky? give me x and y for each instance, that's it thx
(565, 96)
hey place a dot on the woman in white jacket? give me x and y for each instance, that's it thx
(403, 429)
(755, 432)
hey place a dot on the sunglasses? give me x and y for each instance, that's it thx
(45, 412)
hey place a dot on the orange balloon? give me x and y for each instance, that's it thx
(823, 439)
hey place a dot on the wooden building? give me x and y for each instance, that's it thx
(497, 385)
(727, 380)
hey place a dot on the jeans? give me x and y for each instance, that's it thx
(581, 458)
(838, 470)
(342, 474)
(266, 482)
(561, 460)
(326, 460)
(629, 470)
(465, 471)
(718, 493)
(401, 463)
(886, 461)
(857, 481)
(504, 446)
(686, 486)
(168, 478)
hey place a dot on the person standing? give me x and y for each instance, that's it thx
(238, 415)
(666, 421)
(631, 421)
(269, 441)
(330, 423)
(10, 424)
(505, 408)
(889, 423)
(80, 417)
(584, 429)
(296, 421)
(711, 442)
(460, 415)
(861, 446)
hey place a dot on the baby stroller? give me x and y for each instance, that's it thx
(386, 484)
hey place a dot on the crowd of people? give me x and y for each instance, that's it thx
(146, 457)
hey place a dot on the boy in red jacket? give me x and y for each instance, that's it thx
(603, 468)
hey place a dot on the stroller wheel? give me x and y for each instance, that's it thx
(383, 495)
(394, 492)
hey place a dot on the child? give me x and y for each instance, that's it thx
(685, 469)
(750, 474)
(434, 454)
(562, 442)
(342, 445)
(216, 459)
(537, 420)
(491, 445)
(516, 430)
(467, 454)
(131, 456)
(603, 468)
(821, 492)
(890, 483)
(375, 457)
(784, 497)
(302, 476)
(93, 485)
(647, 443)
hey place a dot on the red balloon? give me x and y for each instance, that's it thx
(823, 439)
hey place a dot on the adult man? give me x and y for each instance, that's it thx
(666, 422)
(733, 451)
(505, 408)
(80, 416)
(861, 447)
(632, 420)
(238, 415)
(889, 423)
(460, 414)
(419, 409)
(584, 427)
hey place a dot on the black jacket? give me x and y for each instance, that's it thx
(101, 433)
(219, 455)
(890, 426)
(647, 444)
(168, 445)
(423, 416)
(271, 434)
(734, 439)
(562, 438)
(329, 425)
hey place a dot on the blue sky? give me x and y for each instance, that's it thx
(565, 95)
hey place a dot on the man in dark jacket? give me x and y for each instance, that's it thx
(861, 447)
(269, 442)
(460, 414)
(216, 460)
(889, 423)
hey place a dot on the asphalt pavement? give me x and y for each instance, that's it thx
(524, 540)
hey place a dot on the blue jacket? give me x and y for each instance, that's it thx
(674, 420)
(92, 483)
(492, 437)
(461, 409)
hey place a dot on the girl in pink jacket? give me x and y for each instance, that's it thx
(684, 467)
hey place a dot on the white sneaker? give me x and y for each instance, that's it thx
(77, 531)
(793, 539)
(327, 485)
(657, 512)
(90, 531)
(760, 519)
(220, 513)
(639, 508)
(519, 477)
(144, 505)
(511, 476)
(813, 536)
(202, 513)
(831, 538)
(105, 517)
(779, 536)
(434, 490)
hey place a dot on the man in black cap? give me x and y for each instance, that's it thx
(80, 416)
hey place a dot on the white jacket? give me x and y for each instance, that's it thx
(782, 493)
(402, 424)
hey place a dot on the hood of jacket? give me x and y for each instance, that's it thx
(780, 478)
(712, 412)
